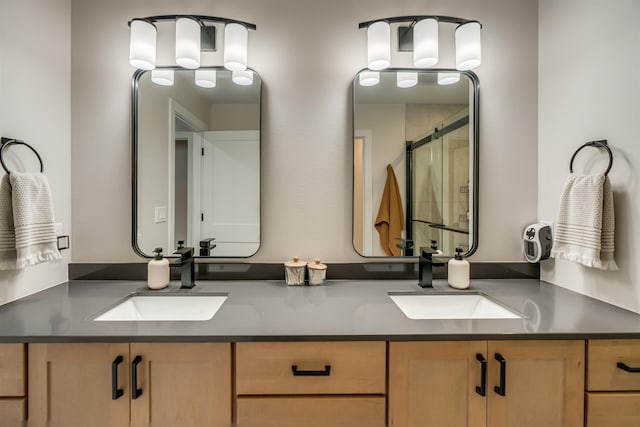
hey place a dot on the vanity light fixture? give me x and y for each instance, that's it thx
(421, 38)
(162, 77)
(242, 78)
(206, 78)
(468, 46)
(445, 78)
(406, 79)
(192, 36)
(369, 78)
(378, 45)
(425, 43)
(187, 42)
(142, 44)
(235, 47)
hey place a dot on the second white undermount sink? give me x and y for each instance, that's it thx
(164, 307)
(451, 306)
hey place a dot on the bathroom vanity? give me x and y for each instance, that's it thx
(340, 354)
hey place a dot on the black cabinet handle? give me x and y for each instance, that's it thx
(324, 373)
(482, 388)
(135, 391)
(115, 391)
(502, 390)
(628, 368)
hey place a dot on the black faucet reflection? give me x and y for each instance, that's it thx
(426, 262)
(186, 263)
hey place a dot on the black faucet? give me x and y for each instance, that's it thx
(206, 245)
(187, 266)
(426, 263)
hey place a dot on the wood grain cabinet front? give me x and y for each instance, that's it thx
(311, 383)
(480, 383)
(613, 383)
(137, 384)
(13, 385)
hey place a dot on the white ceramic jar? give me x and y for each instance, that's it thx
(294, 271)
(317, 272)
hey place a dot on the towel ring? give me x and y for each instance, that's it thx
(597, 144)
(9, 141)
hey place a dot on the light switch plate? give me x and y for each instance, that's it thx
(160, 214)
(58, 226)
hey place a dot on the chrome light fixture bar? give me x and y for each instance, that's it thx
(192, 36)
(421, 37)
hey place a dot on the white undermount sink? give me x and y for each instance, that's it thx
(451, 306)
(167, 307)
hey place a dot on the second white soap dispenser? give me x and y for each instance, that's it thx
(458, 271)
(158, 271)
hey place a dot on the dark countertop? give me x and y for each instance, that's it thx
(338, 310)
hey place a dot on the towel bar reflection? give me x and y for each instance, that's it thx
(597, 144)
(10, 141)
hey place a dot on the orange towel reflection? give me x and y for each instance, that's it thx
(390, 219)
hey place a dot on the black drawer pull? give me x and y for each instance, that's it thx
(135, 391)
(115, 391)
(482, 388)
(628, 368)
(502, 389)
(324, 373)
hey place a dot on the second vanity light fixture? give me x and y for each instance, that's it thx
(422, 38)
(192, 36)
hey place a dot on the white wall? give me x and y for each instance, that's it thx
(588, 89)
(307, 53)
(35, 70)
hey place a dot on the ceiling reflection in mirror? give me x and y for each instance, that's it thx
(415, 153)
(197, 162)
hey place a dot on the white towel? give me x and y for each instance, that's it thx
(33, 221)
(584, 228)
(7, 232)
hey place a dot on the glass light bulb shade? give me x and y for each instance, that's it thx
(235, 47)
(242, 78)
(379, 45)
(468, 46)
(206, 78)
(187, 43)
(406, 79)
(425, 43)
(162, 77)
(369, 78)
(448, 78)
(142, 44)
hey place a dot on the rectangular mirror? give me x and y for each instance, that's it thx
(196, 162)
(415, 162)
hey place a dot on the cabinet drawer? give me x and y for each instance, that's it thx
(613, 409)
(602, 370)
(13, 412)
(339, 368)
(319, 411)
(12, 370)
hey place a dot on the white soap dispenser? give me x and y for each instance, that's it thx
(458, 271)
(158, 271)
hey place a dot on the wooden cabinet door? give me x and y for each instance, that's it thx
(182, 384)
(71, 385)
(434, 384)
(543, 384)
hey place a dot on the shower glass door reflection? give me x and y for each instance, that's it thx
(440, 186)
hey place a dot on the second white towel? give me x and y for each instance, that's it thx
(585, 225)
(27, 224)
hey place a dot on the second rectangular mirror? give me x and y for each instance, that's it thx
(196, 161)
(415, 161)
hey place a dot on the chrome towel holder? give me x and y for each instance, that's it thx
(5, 142)
(602, 143)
